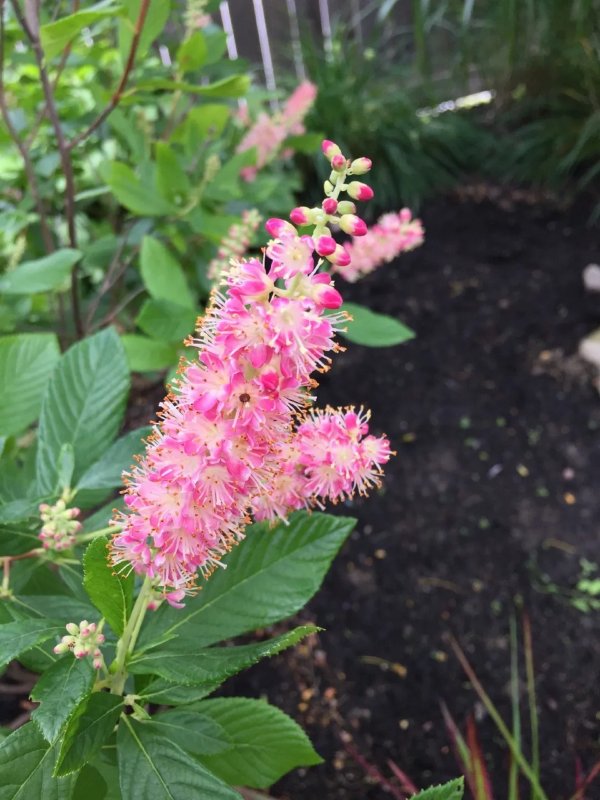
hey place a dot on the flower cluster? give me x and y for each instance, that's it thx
(268, 133)
(235, 244)
(391, 235)
(60, 526)
(82, 640)
(234, 438)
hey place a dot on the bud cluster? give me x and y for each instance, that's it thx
(235, 244)
(60, 526)
(333, 211)
(82, 640)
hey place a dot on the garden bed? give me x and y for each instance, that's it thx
(495, 420)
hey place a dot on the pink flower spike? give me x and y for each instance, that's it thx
(300, 215)
(276, 227)
(341, 257)
(338, 163)
(325, 245)
(360, 191)
(353, 225)
(330, 149)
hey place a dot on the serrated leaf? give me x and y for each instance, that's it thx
(269, 576)
(59, 691)
(171, 179)
(17, 637)
(265, 742)
(26, 762)
(194, 732)
(148, 355)
(112, 594)
(192, 53)
(186, 663)
(232, 86)
(156, 19)
(106, 473)
(374, 330)
(19, 537)
(88, 729)
(42, 275)
(162, 692)
(151, 766)
(206, 121)
(26, 363)
(166, 321)
(83, 405)
(449, 791)
(56, 36)
(135, 194)
(162, 274)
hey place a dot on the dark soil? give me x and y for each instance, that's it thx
(492, 500)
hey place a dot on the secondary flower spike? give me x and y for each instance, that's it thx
(236, 437)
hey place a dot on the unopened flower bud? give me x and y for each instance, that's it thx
(300, 215)
(328, 187)
(330, 205)
(72, 628)
(339, 163)
(360, 165)
(346, 207)
(276, 227)
(323, 292)
(353, 225)
(325, 245)
(359, 191)
(340, 257)
(61, 648)
(330, 149)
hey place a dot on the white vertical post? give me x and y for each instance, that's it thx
(296, 45)
(326, 27)
(265, 48)
(357, 22)
(232, 50)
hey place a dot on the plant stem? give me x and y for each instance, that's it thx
(65, 157)
(87, 537)
(126, 643)
(118, 93)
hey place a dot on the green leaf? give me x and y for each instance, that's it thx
(374, 330)
(65, 467)
(194, 732)
(83, 405)
(162, 692)
(26, 762)
(107, 472)
(19, 537)
(156, 19)
(186, 663)
(151, 766)
(17, 637)
(449, 791)
(206, 121)
(265, 742)
(26, 363)
(88, 729)
(162, 274)
(42, 275)
(192, 53)
(171, 180)
(56, 36)
(90, 785)
(269, 576)
(110, 593)
(148, 355)
(166, 321)
(59, 690)
(232, 86)
(306, 143)
(139, 196)
(216, 44)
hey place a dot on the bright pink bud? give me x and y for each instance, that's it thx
(330, 149)
(360, 191)
(360, 165)
(326, 296)
(353, 225)
(405, 215)
(338, 163)
(300, 215)
(330, 205)
(325, 245)
(276, 227)
(341, 257)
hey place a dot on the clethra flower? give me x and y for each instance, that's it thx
(235, 244)
(392, 235)
(83, 640)
(235, 439)
(60, 526)
(268, 134)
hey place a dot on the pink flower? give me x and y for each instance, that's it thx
(235, 244)
(392, 235)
